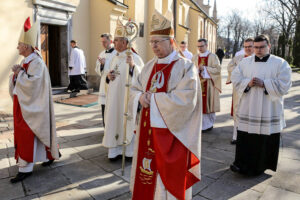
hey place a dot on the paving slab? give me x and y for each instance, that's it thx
(29, 197)
(127, 172)
(10, 191)
(218, 155)
(257, 183)
(213, 169)
(288, 165)
(248, 194)
(201, 185)
(69, 155)
(4, 166)
(69, 193)
(286, 181)
(44, 180)
(105, 187)
(279, 194)
(103, 162)
(198, 197)
(88, 147)
(126, 196)
(81, 171)
(222, 189)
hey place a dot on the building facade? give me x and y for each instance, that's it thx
(85, 20)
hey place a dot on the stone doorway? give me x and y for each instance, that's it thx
(55, 52)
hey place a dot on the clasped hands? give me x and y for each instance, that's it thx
(111, 74)
(256, 82)
(101, 60)
(16, 69)
(145, 99)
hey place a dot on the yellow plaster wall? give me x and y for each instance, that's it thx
(81, 30)
(12, 17)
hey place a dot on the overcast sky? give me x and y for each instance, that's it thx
(246, 7)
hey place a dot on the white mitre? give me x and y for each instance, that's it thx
(162, 25)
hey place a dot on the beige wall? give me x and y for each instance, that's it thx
(12, 23)
(81, 29)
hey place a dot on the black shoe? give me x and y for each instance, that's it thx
(20, 177)
(235, 168)
(129, 159)
(207, 130)
(233, 141)
(49, 162)
(115, 158)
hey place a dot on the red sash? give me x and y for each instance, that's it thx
(159, 150)
(204, 62)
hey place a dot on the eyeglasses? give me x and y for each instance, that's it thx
(260, 47)
(201, 46)
(246, 47)
(156, 42)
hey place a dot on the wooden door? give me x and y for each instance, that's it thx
(45, 43)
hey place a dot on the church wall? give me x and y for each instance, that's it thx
(193, 36)
(81, 30)
(12, 18)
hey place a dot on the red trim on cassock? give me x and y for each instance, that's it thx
(23, 135)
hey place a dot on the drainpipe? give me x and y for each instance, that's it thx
(175, 16)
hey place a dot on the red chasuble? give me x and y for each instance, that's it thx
(203, 61)
(160, 151)
(23, 135)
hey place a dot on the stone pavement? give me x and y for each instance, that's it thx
(84, 171)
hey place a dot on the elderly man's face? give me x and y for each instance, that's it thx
(22, 48)
(261, 49)
(105, 42)
(202, 47)
(183, 47)
(120, 44)
(161, 47)
(248, 47)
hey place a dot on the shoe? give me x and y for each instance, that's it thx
(235, 168)
(20, 177)
(129, 159)
(115, 158)
(49, 162)
(207, 130)
(233, 141)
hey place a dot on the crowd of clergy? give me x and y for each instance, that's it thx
(154, 113)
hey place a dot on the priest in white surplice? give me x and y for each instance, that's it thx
(34, 123)
(166, 163)
(102, 66)
(121, 66)
(260, 81)
(77, 69)
(210, 76)
(248, 47)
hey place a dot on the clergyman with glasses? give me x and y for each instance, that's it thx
(167, 151)
(210, 75)
(260, 81)
(248, 49)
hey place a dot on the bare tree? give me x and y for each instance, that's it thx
(284, 20)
